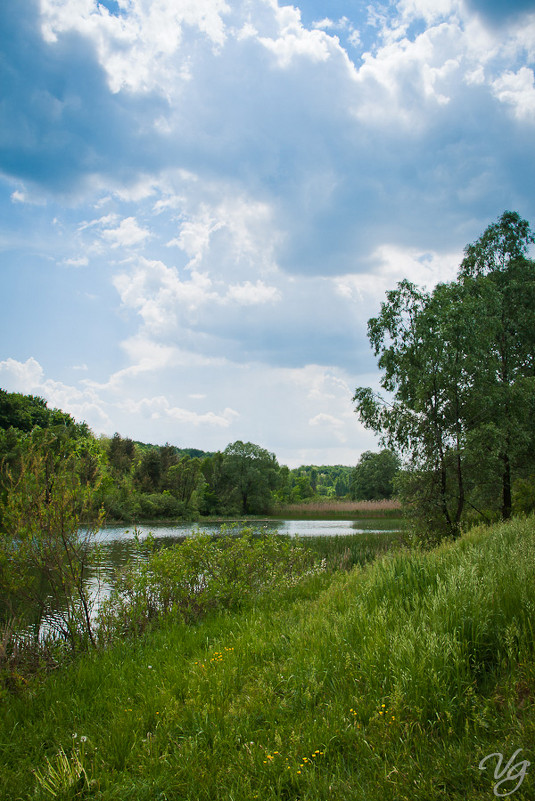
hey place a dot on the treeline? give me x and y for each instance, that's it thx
(132, 481)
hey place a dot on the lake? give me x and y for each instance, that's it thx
(292, 528)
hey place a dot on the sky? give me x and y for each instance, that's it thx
(202, 202)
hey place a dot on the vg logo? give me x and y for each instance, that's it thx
(510, 773)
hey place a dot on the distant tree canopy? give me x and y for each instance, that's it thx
(25, 412)
(373, 477)
(459, 366)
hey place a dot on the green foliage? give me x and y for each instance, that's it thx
(524, 494)
(310, 482)
(250, 474)
(373, 477)
(43, 553)
(25, 412)
(458, 364)
(121, 455)
(199, 575)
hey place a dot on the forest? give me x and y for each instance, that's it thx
(133, 481)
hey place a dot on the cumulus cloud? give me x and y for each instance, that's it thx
(29, 378)
(127, 233)
(249, 294)
(21, 376)
(315, 399)
(518, 90)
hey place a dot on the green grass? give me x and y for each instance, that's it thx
(344, 551)
(387, 682)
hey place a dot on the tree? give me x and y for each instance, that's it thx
(183, 479)
(252, 473)
(25, 412)
(121, 455)
(498, 260)
(43, 553)
(458, 365)
(214, 495)
(302, 489)
(148, 473)
(373, 477)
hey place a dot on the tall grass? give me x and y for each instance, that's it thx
(342, 552)
(391, 681)
(338, 510)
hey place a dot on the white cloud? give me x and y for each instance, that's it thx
(127, 234)
(82, 403)
(21, 376)
(159, 407)
(249, 294)
(293, 41)
(429, 10)
(195, 234)
(335, 425)
(518, 90)
(160, 296)
(222, 420)
(81, 261)
(391, 265)
(138, 49)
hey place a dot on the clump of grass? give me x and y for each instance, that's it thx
(342, 552)
(63, 776)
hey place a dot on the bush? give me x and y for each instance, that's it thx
(199, 575)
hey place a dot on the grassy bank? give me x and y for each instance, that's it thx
(391, 681)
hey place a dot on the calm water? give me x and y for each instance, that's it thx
(293, 528)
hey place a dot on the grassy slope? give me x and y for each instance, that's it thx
(389, 682)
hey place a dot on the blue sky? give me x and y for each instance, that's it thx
(202, 202)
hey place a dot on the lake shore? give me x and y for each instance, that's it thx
(314, 510)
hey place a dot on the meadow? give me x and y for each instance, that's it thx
(387, 680)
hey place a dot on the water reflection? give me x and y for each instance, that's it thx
(293, 528)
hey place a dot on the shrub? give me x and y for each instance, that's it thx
(201, 574)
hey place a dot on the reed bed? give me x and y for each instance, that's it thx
(333, 509)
